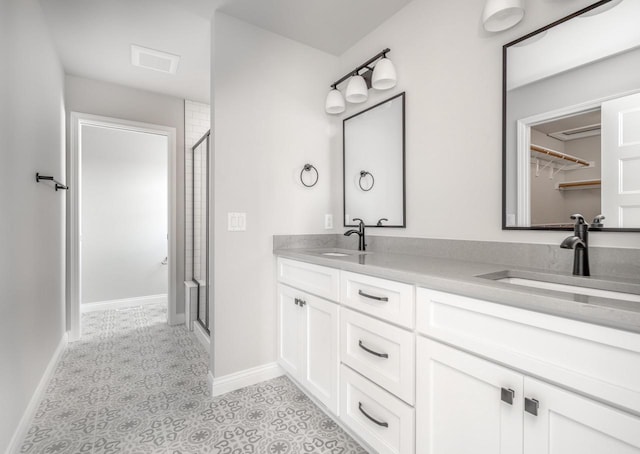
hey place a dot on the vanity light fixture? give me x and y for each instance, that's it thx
(381, 77)
(500, 15)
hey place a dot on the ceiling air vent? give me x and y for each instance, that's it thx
(577, 133)
(154, 59)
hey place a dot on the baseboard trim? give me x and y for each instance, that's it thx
(248, 377)
(177, 319)
(27, 416)
(202, 336)
(123, 303)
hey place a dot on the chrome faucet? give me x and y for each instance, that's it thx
(579, 242)
(360, 232)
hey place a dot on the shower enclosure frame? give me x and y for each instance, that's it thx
(206, 323)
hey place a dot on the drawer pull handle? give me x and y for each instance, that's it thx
(531, 406)
(380, 423)
(373, 297)
(380, 355)
(506, 395)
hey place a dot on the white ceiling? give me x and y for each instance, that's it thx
(93, 37)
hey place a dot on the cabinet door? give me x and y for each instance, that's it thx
(568, 423)
(321, 350)
(290, 328)
(465, 404)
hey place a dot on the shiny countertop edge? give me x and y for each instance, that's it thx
(461, 278)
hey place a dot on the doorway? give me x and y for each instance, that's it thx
(122, 226)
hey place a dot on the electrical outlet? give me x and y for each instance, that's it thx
(328, 221)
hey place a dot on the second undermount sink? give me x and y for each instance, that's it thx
(568, 284)
(337, 252)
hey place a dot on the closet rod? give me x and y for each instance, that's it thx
(559, 155)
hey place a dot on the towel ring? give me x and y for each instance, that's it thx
(309, 168)
(363, 174)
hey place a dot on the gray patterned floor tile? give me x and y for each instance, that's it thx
(134, 384)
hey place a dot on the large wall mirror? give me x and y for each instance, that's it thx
(373, 147)
(571, 121)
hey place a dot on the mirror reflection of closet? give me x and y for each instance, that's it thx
(373, 146)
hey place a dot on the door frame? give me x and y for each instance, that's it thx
(78, 120)
(523, 142)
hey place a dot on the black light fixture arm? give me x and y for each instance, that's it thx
(366, 64)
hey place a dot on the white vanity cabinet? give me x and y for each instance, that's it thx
(308, 331)
(501, 410)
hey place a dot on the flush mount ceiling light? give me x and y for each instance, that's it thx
(499, 15)
(155, 60)
(380, 77)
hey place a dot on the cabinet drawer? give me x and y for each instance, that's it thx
(382, 420)
(389, 300)
(596, 360)
(383, 353)
(316, 279)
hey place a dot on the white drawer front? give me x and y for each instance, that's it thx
(389, 300)
(316, 279)
(382, 420)
(592, 359)
(383, 353)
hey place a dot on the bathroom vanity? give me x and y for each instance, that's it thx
(428, 355)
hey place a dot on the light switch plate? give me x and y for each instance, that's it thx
(328, 221)
(237, 222)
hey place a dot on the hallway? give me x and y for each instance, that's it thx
(134, 384)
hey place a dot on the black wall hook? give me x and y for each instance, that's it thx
(57, 186)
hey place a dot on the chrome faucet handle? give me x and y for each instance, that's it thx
(597, 221)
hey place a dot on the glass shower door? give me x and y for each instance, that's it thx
(200, 225)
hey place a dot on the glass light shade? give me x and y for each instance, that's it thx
(384, 75)
(334, 103)
(499, 15)
(357, 91)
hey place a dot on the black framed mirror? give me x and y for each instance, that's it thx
(571, 121)
(373, 165)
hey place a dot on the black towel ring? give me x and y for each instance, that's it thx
(308, 168)
(363, 174)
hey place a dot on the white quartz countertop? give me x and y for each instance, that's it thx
(461, 277)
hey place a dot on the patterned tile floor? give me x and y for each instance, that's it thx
(135, 385)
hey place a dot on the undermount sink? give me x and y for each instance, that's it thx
(568, 284)
(337, 252)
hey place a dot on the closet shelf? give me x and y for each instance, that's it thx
(581, 184)
(557, 156)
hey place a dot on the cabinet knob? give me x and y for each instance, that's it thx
(507, 395)
(531, 406)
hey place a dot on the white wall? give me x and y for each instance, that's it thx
(32, 223)
(110, 100)
(268, 120)
(451, 70)
(124, 214)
